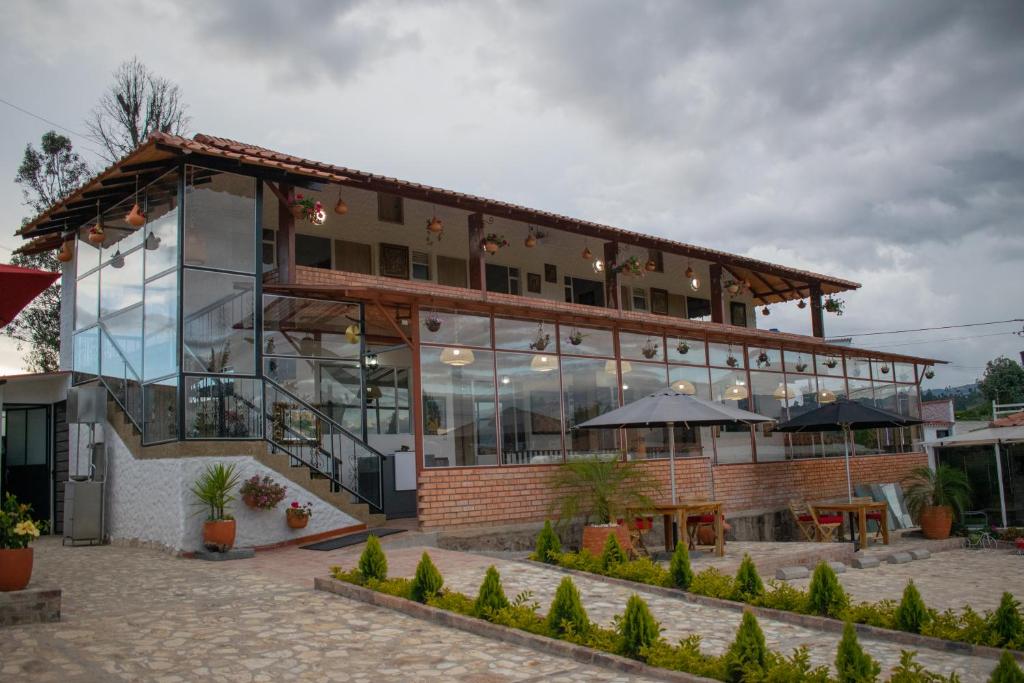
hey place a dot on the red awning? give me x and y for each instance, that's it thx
(18, 286)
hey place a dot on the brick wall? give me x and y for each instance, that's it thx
(506, 495)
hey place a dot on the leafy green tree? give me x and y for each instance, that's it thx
(853, 665)
(679, 569)
(1006, 625)
(912, 614)
(567, 613)
(491, 597)
(748, 582)
(825, 595)
(549, 546)
(748, 652)
(1003, 381)
(1007, 671)
(612, 554)
(637, 628)
(427, 582)
(372, 563)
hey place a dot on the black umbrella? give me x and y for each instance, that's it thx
(845, 415)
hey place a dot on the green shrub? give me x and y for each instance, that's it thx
(612, 554)
(826, 596)
(781, 595)
(909, 671)
(1006, 627)
(1007, 671)
(912, 614)
(747, 655)
(680, 572)
(881, 613)
(372, 563)
(713, 583)
(582, 561)
(748, 584)
(549, 546)
(491, 597)
(400, 588)
(453, 602)
(853, 665)
(781, 669)
(637, 628)
(348, 575)
(427, 582)
(522, 617)
(567, 614)
(641, 570)
(685, 656)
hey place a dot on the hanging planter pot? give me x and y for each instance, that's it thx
(831, 363)
(135, 217)
(530, 242)
(651, 265)
(66, 253)
(352, 334)
(541, 341)
(834, 305)
(587, 254)
(929, 373)
(800, 366)
(575, 338)
(435, 226)
(96, 234)
(682, 348)
(763, 361)
(765, 311)
(731, 361)
(650, 349)
(432, 323)
(885, 369)
(341, 208)
(801, 304)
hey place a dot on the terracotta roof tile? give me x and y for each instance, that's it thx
(1011, 420)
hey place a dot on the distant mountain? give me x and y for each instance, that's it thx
(962, 390)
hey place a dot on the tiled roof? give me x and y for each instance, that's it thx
(938, 412)
(1011, 420)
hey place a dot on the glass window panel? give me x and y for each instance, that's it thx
(908, 401)
(525, 335)
(529, 399)
(686, 350)
(733, 442)
(218, 322)
(903, 372)
(829, 364)
(858, 368)
(125, 330)
(312, 251)
(885, 396)
(16, 436)
(765, 358)
(802, 399)
(798, 362)
(222, 408)
(161, 229)
(698, 309)
(639, 380)
(458, 409)
(86, 354)
(586, 341)
(120, 236)
(687, 379)
(121, 287)
(87, 300)
(455, 328)
(588, 390)
(719, 354)
(641, 346)
(160, 421)
(861, 391)
(830, 389)
(770, 397)
(161, 318)
(87, 257)
(36, 436)
(881, 371)
(293, 326)
(333, 387)
(220, 215)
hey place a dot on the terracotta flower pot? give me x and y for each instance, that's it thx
(936, 521)
(15, 568)
(296, 521)
(135, 217)
(96, 235)
(594, 538)
(298, 211)
(491, 247)
(219, 535)
(250, 500)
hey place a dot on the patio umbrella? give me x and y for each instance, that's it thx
(668, 408)
(20, 286)
(845, 415)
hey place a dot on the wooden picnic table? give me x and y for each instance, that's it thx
(680, 513)
(861, 509)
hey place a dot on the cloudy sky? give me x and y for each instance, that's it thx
(877, 141)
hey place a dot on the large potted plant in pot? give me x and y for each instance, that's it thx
(601, 491)
(932, 496)
(213, 491)
(17, 530)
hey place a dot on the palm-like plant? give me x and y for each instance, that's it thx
(213, 489)
(601, 489)
(944, 486)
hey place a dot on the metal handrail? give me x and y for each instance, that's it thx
(106, 340)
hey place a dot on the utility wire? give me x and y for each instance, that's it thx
(935, 341)
(941, 327)
(52, 123)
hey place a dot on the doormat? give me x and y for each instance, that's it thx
(351, 539)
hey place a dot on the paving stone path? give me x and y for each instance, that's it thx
(140, 615)
(716, 626)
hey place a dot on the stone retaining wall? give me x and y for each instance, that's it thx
(30, 606)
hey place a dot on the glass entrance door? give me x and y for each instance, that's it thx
(26, 457)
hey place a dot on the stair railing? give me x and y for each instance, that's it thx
(119, 378)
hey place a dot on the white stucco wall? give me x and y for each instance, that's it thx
(151, 501)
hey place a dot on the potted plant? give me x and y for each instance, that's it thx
(310, 209)
(732, 361)
(213, 491)
(831, 362)
(763, 361)
(682, 348)
(601, 491)
(542, 339)
(631, 266)
(650, 349)
(493, 242)
(575, 337)
(933, 495)
(17, 530)
(262, 493)
(834, 305)
(298, 515)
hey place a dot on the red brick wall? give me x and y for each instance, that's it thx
(506, 495)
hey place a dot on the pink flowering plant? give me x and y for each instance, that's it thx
(300, 510)
(17, 528)
(262, 492)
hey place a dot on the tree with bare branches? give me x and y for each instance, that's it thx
(138, 103)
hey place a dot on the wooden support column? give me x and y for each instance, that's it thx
(611, 278)
(476, 260)
(285, 235)
(817, 317)
(717, 302)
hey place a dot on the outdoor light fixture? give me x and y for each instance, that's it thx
(826, 396)
(609, 367)
(117, 261)
(371, 360)
(544, 363)
(784, 392)
(505, 379)
(692, 278)
(801, 304)
(457, 357)
(625, 387)
(737, 392)
(733, 287)
(765, 311)
(684, 387)
(152, 241)
(598, 265)
(195, 250)
(307, 345)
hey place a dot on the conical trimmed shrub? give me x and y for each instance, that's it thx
(826, 596)
(911, 614)
(372, 563)
(637, 628)
(612, 554)
(548, 544)
(679, 570)
(428, 581)
(1007, 671)
(567, 611)
(491, 597)
(853, 665)
(1006, 624)
(748, 651)
(748, 581)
